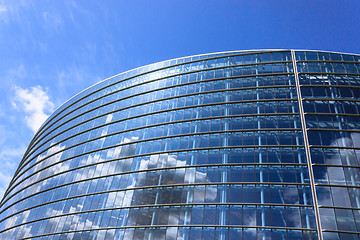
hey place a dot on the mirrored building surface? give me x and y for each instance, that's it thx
(261, 144)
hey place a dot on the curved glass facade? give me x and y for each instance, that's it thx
(235, 145)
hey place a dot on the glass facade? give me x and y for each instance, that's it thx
(235, 145)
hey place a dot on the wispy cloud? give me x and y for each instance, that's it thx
(52, 21)
(72, 79)
(3, 13)
(35, 103)
(4, 182)
(9, 153)
(10, 10)
(3, 9)
(8, 165)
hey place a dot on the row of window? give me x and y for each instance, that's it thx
(191, 112)
(329, 80)
(325, 56)
(233, 60)
(322, 108)
(228, 60)
(242, 155)
(164, 130)
(261, 215)
(193, 100)
(130, 147)
(261, 174)
(176, 233)
(326, 67)
(334, 138)
(339, 122)
(193, 66)
(335, 156)
(198, 76)
(338, 196)
(336, 175)
(330, 92)
(340, 219)
(331, 106)
(248, 194)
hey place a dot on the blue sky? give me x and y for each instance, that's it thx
(51, 50)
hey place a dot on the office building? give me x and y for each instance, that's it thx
(261, 144)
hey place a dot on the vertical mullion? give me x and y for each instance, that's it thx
(258, 122)
(307, 147)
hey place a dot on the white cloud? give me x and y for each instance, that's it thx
(35, 103)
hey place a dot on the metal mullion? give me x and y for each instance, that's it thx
(302, 177)
(260, 152)
(224, 158)
(307, 147)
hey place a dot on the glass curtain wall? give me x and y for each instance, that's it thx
(330, 88)
(235, 145)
